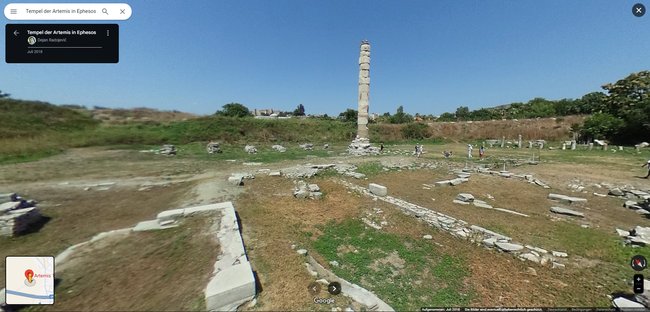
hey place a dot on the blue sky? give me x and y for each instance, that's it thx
(429, 56)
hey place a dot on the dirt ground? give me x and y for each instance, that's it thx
(272, 221)
(144, 271)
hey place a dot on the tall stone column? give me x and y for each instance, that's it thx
(364, 89)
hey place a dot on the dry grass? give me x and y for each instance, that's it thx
(272, 220)
(551, 129)
(75, 216)
(603, 214)
(146, 271)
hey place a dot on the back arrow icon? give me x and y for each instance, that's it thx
(16, 33)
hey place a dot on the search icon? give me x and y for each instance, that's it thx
(105, 11)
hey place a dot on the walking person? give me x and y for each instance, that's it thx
(647, 164)
(481, 152)
(381, 147)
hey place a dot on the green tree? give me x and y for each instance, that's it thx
(629, 99)
(601, 126)
(299, 111)
(446, 117)
(540, 107)
(349, 115)
(462, 113)
(234, 110)
(565, 107)
(400, 116)
(593, 102)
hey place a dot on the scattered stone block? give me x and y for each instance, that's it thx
(489, 241)
(313, 188)
(465, 197)
(537, 249)
(509, 247)
(275, 173)
(213, 148)
(623, 303)
(168, 150)
(237, 181)
(628, 204)
(616, 192)
(427, 236)
(559, 254)
(456, 201)
(302, 252)
(377, 189)
(530, 257)
(557, 265)
(443, 183)
(566, 199)
(230, 288)
(250, 149)
(568, 212)
(622, 233)
(307, 146)
(279, 148)
(482, 204)
(334, 263)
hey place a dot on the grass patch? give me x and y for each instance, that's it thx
(589, 243)
(114, 269)
(370, 168)
(406, 273)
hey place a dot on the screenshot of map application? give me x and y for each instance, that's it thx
(30, 280)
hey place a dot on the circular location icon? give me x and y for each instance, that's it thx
(638, 10)
(313, 288)
(638, 263)
(334, 288)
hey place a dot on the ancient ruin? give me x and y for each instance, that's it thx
(361, 144)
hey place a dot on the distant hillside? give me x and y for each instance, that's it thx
(29, 118)
(551, 129)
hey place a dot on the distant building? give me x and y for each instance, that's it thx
(265, 112)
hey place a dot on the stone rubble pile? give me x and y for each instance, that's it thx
(307, 146)
(362, 147)
(326, 146)
(303, 190)
(629, 193)
(250, 149)
(17, 214)
(639, 236)
(167, 149)
(309, 170)
(472, 233)
(213, 148)
(279, 148)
